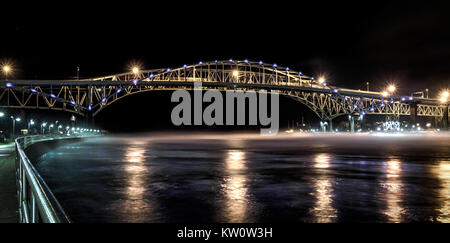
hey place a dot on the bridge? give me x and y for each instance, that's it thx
(87, 97)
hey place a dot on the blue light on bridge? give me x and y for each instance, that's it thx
(300, 73)
(216, 61)
(135, 82)
(392, 101)
(9, 85)
(324, 84)
(372, 109)
(33, 90)
(152, 75)
(200, 63)
(312, 78)
(275, 65)
(403, 99)
(89, 107)
(184, 65)
(53, 96)
(168, 70)
(261, 62)
(287, 69)
(103, 100)
(335, 90)
(411, 98)
(231, 60)
(73, 102)
(246, 60)
(119, 90)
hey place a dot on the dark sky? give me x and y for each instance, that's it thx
(350, 43)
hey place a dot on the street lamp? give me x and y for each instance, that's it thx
(6, 69)
(384, 93)
(30, 123)
(135, 70)
(321, 80)
(444, 96)
(391, 88)
(14, 124)
(236, 73)
(2, 114)
(43, 127)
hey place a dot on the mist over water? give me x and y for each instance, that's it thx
(227, 177)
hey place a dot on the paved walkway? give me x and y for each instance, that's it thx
(8, 197)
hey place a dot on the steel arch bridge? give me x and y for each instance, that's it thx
(90, 96)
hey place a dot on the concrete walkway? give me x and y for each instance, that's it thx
(8, 194)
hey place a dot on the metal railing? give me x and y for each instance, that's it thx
(36, 201)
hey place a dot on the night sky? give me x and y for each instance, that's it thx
(350, 44)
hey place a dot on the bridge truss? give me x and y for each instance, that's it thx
(90, 96)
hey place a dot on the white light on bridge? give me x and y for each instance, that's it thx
(384, 93)
(391, 88)
(236, 73)
(321, 80)
(135, 70)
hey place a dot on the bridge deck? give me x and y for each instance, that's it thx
(8, 194)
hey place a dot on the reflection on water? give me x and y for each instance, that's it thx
(240, 178)
(323, 210)
(443, 172)
(136, 175)
(235, 187)
(393, 191)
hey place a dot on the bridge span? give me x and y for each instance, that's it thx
(87, 97)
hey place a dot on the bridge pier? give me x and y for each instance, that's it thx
(445, 125)
(351, 121)
(413, 114)
(89, 119)
(330, 126)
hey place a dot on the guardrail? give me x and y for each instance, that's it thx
(36, 201)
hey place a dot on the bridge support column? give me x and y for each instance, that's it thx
(89, 119)
(323, 126)
(330, 126)
(413, 114)
(445, 125)
(351, 121)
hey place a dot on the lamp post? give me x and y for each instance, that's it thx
(30, 123)
(14, 124)
(43, 127)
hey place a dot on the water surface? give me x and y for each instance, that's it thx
(248, 178)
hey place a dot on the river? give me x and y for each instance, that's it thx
(204, 178)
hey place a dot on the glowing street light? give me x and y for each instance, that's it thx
(235, 73)
(2, 114)
(384, 93)
(321, 80)
(6, 69)
(444, 96)
(135, 70)
(391, 88)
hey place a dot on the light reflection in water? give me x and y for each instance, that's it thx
(393, 192)
(235, 189)
(443, 173)
(136, 175)
(323, 210)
